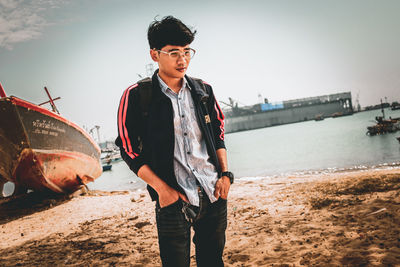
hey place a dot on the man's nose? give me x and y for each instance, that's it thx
(182, 57)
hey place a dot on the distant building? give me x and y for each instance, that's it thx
(291, 111)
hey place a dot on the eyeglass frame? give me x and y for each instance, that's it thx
(180, 53)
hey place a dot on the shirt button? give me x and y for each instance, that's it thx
(188, 152)
(184, 134)
(183, 116)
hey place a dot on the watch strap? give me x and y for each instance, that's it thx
(229, 175)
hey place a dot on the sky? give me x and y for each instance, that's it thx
(89, 52)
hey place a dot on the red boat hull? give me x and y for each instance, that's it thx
(41, 150)
(59, 171)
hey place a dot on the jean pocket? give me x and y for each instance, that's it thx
(171, 206)
(222, 203)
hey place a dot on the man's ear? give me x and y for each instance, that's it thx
(154, 55)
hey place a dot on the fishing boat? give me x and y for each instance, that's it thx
(41, 150)
(384, 126)
(395, 106)
(105, 158)
(107, 167)
(319, 117)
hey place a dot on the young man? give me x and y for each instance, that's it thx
(171, 134)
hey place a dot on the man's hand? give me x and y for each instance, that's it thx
(166, 194)
(222, 187)
(169, 196)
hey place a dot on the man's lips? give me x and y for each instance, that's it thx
(181, 69)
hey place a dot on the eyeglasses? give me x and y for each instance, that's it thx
(187, 53)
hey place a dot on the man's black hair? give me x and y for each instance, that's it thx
(169, 31)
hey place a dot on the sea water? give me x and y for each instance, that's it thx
(311, 146)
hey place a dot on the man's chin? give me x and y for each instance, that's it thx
(175, 74)
(179, 74)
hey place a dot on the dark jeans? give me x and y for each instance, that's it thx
(209, 237)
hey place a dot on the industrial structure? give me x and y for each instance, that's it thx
(297, 110)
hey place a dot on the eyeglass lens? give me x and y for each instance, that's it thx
(187, 54)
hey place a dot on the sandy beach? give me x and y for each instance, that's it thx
(347, 218)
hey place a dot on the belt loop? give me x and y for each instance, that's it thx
(200, 191)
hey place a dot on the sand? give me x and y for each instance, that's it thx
(333, 219)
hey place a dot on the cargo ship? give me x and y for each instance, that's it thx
(41, 150)
(291, 111)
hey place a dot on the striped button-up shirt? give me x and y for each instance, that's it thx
(191, 160)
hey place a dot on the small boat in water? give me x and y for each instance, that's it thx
(106, 159)
(384, 125)
(41, 150)
(395, 106)
(107, 167)
(398, 139)
(319, 117)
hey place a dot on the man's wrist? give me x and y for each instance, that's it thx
(226, 178)
(229, 175)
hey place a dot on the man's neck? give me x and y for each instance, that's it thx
(175, 84)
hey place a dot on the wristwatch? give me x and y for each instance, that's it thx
(229, 175)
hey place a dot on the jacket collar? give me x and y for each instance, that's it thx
(196, 86)
(164, 87)
(157, 93)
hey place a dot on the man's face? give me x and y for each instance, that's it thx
(169, 65)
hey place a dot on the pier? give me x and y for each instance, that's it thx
(297, 110)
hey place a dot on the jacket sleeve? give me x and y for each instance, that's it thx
(217, 119)
(129, 123)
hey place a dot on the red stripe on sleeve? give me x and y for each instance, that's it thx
(123, 131)
(220, 110)
(120, 131)
(220, 117)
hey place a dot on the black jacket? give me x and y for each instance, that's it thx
(146, 134)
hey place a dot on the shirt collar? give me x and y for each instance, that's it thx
(164, 86)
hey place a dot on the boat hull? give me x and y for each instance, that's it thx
(41, 150)
(384, 126)
(107, 167)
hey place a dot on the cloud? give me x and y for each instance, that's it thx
(21, 21)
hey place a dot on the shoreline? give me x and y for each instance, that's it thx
(353, 168)
(347, 218)
(381, 166)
